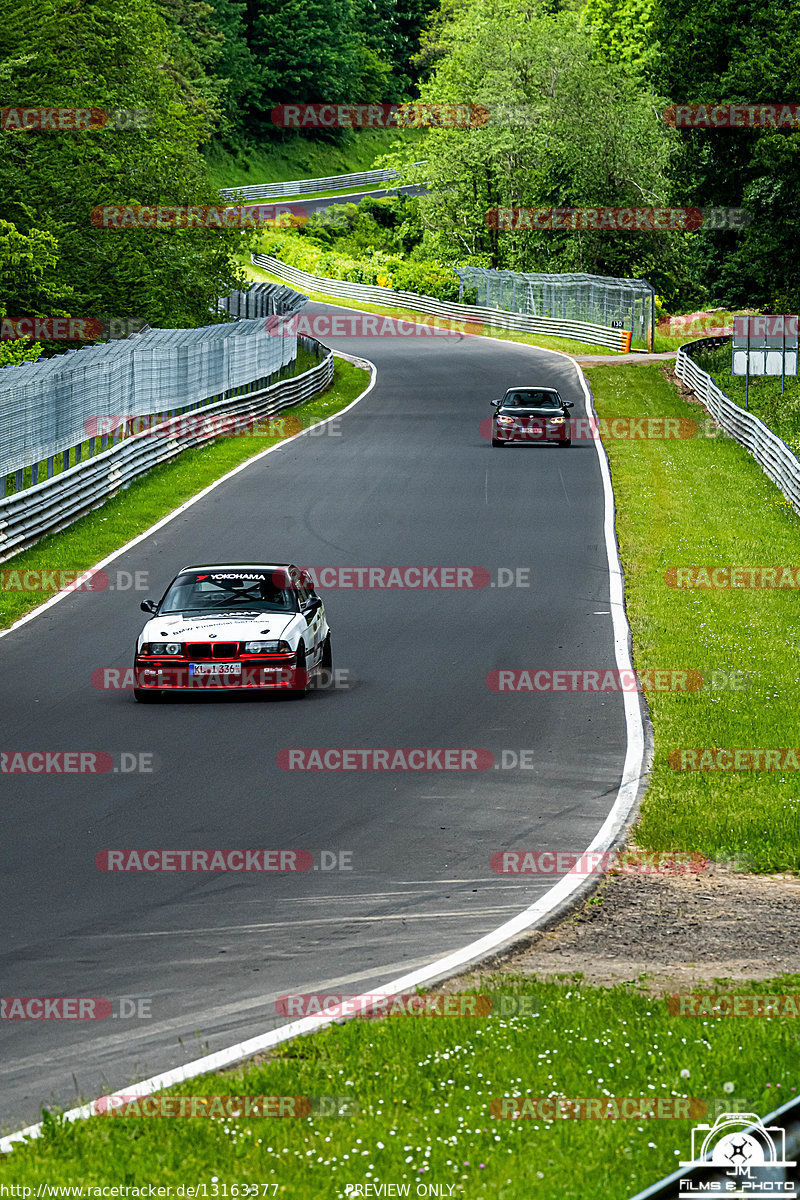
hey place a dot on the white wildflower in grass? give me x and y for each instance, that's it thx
(727, 1087)
(685, 1073)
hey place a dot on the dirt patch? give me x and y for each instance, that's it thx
(668, 933)
(608, 360)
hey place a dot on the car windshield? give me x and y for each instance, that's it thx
(532, 399)
(230, 591)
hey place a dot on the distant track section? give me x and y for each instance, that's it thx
(297, 187)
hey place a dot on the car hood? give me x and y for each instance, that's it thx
(530, 412)
(237, 627)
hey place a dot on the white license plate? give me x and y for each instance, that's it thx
(213, 668)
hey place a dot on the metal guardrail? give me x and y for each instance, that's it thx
(297, 187)
(772, 455)
(46, 507)
(581, 331)
(261, 300)
(49, 407)
(787, 1117)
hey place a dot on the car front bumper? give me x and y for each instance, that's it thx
(178, 677)
(536, 431)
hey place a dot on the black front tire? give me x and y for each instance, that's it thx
(324, 675)
(497, 442)
(568, 442)
(300, 665)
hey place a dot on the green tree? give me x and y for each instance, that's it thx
(306, 50)
(52, 181)
(623, 29)
(236, 65)
(29, 286)
(747, 54)
(567, 127)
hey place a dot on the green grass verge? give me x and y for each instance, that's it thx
(157, 493)
(415, 1101)
(302, 157)
(697, 502)
(664, 342)
(565, 345)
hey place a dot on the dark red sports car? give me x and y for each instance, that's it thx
(531, 414)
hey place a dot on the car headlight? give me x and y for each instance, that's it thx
(162, 648)
(505, 420)
(267, 648)
(557, 420)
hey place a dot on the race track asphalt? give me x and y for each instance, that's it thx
(404, 478)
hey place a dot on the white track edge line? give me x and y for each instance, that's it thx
(489, 943)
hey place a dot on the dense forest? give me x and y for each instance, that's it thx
(590, 80)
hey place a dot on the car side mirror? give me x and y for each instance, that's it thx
(568, 404)
(312, 604)
(150, 606)
(495, 403)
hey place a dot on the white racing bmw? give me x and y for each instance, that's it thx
(233, 626)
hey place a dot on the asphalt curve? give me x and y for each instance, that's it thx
(404, 478)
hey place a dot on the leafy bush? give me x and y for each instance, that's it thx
(374, 267)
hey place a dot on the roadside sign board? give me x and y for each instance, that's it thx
(765, 345)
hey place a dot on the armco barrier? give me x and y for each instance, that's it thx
(580, 331)
(261, 300)
(45, 405)
(46, 507)
(298, 187)
(772, 455)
